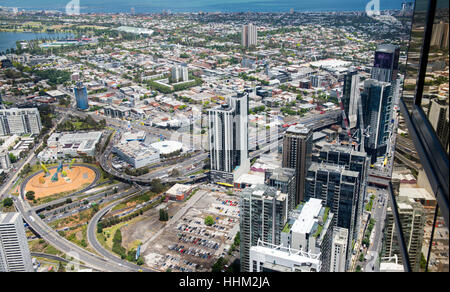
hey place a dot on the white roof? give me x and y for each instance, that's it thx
(307, 217)
(415, 193)
(167, 147)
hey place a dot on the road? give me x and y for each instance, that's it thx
(93, 241)
(378, 214)
(62, 244)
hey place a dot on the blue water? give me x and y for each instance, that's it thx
(8, 39)
(151, 6)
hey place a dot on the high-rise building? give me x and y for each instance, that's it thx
(309, 229)
(385, 66)
(249, 35)
(377, 105)
(81, 96)
(284, 180)
(180, 74)
(339, 249)
(439, 38)
(338, 189)
(297, 153)
(352, 160)
(14, 252)
(263, 213)
(20, 121)
(439, 120)
(316, 81)
(228, 139)
(412, 219)
(350, 96)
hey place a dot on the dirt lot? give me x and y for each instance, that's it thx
(76, 177)
(146, 227)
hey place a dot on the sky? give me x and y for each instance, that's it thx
(145, 6)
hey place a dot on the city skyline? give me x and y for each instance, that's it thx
(231, 142)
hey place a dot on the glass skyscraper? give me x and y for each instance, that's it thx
(81, 96)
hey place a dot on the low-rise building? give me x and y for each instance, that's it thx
(60, 145)
(179, 192)
(136, 153)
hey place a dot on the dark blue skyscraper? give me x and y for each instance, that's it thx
(377, 102)
(81, 96)
(385, 67)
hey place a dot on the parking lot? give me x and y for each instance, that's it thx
(190, 245)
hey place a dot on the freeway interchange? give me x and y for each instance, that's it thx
(105, 260)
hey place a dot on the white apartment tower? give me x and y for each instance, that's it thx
(180, 74)
(14, 252)
(20, 121)
(339, 249)
(228, 139)
(249, 35)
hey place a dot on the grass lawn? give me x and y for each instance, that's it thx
(112, 230)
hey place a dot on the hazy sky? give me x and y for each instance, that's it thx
(205, 5)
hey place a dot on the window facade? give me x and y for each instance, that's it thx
(417, 220)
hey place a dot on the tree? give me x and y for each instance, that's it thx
(175, 173)
(8, 202)
(61, 267)
(163, 215)
(209, 220)
(219, 265)
(157, 186)
(30, 195)
(12, 158)
(140, 261)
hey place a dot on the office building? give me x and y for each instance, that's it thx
(136, 153)
(81, 96)
(14, 252)
(263, 213)
(438, 116)
(412, 219)
(249, 35)
(310, 229)
(377, 105)
(339, 249)
(180, 74)
(385, 68)
(115, 111)
(20, 121)
(316, 80)
(338, 189)
(228, 139)
(297, 153)
(284, 180)
(79, 144)
(350, 96)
